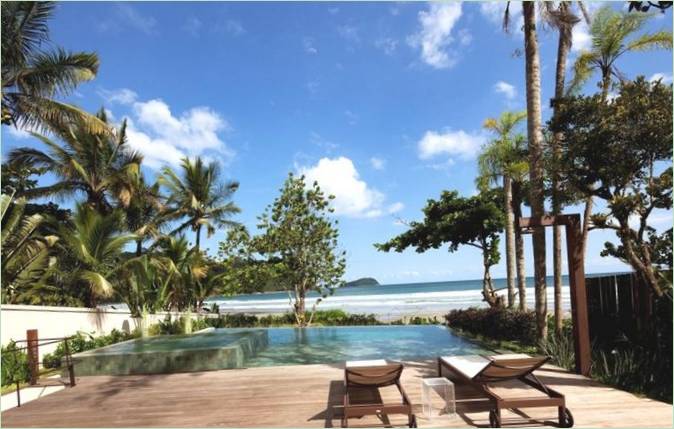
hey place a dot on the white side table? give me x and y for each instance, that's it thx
(437, 397)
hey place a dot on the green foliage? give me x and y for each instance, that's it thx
(82, 342)
(103, 168)
(497, 323)
(618, 152)
(614, 34)
(31, 75)
(296, 250)
(14, 366)
(506, 154)
(26, 255)
(456, 221)
(199, 197)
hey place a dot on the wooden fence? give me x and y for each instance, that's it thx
(620, 303)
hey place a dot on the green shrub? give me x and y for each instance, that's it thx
(14, 365)
(496, 323)
(82, 342)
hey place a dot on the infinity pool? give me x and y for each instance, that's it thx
(238, 348)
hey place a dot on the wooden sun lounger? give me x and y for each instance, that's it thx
(483, 372)
(373, 375)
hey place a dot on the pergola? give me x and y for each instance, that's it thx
(581, 332)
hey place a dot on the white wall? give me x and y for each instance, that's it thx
(53, 322)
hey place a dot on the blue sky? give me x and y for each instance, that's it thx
(382, 103)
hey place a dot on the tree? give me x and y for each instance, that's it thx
(297, 231)
(535, 137)
(31, 76)
(144, 214)
(614, 151)
(26, 254)
(505, 158)
(563, 19)
(187, 268)
(143, 283)
(96, 241)
(199, 197)
(614, 34)
(457, 221)
(102, 168)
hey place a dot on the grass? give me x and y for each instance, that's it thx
(12, 387)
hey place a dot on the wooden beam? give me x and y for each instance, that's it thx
(33, 359)
(581, 327)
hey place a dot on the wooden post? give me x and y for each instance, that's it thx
(581, 334)
(33, 357)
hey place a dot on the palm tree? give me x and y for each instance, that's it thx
(199, 197)
(26, 255)
(144, 214)
(97, 243)
(503, 158)
(187, 268)
(101, 167)
(563, 19)
(31, 77)
(614, 34)
(535, 137)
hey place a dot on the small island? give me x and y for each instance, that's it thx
(365, 281)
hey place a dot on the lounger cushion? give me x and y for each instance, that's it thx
(469, 365)
(359, 363)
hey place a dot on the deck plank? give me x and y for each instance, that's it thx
(302, 396)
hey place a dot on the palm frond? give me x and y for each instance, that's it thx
(57, 73)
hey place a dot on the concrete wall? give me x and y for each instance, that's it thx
(52, 322)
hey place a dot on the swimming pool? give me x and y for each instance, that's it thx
(254, 347)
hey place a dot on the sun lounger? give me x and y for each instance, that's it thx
(485, 372)
(369, 377)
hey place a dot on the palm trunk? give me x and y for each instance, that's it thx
(198, 233)
(139, 247)
(563, 47)
(519, 249)
(510, 240)
(535, 136)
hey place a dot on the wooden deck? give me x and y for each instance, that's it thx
(302, 396)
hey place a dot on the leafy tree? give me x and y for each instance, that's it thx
(145, 213)
(96, 241)
(26, 254)
(614, 151)
(32, 76)
(143, 284)
(456, 221)
(102, 168)
(504, 158)
(297, 231)
(187, 267)
(614, 34)
(199, 197)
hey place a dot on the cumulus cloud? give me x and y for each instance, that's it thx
(452, 143)
(506, 89)
(353, 196)
(163, 137)
(377, 163)
(308, 44)
(581, 38)
(435, 36)
(387, 45)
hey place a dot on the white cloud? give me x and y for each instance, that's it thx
(126, 16)
(18, 133)
(666, 78)
(308, 44)
(118, 96)
(377, 163)
(353, 197)
(581, 38)
(506, 89)
(453, 143)
(387, 45)
(193, 26)
(395, 207)
(349, 33)
(435, 36)
(163, 138)
(495, 10)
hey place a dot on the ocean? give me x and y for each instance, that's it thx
(389, 301)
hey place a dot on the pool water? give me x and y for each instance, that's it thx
(294, 346)
(254, 347)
